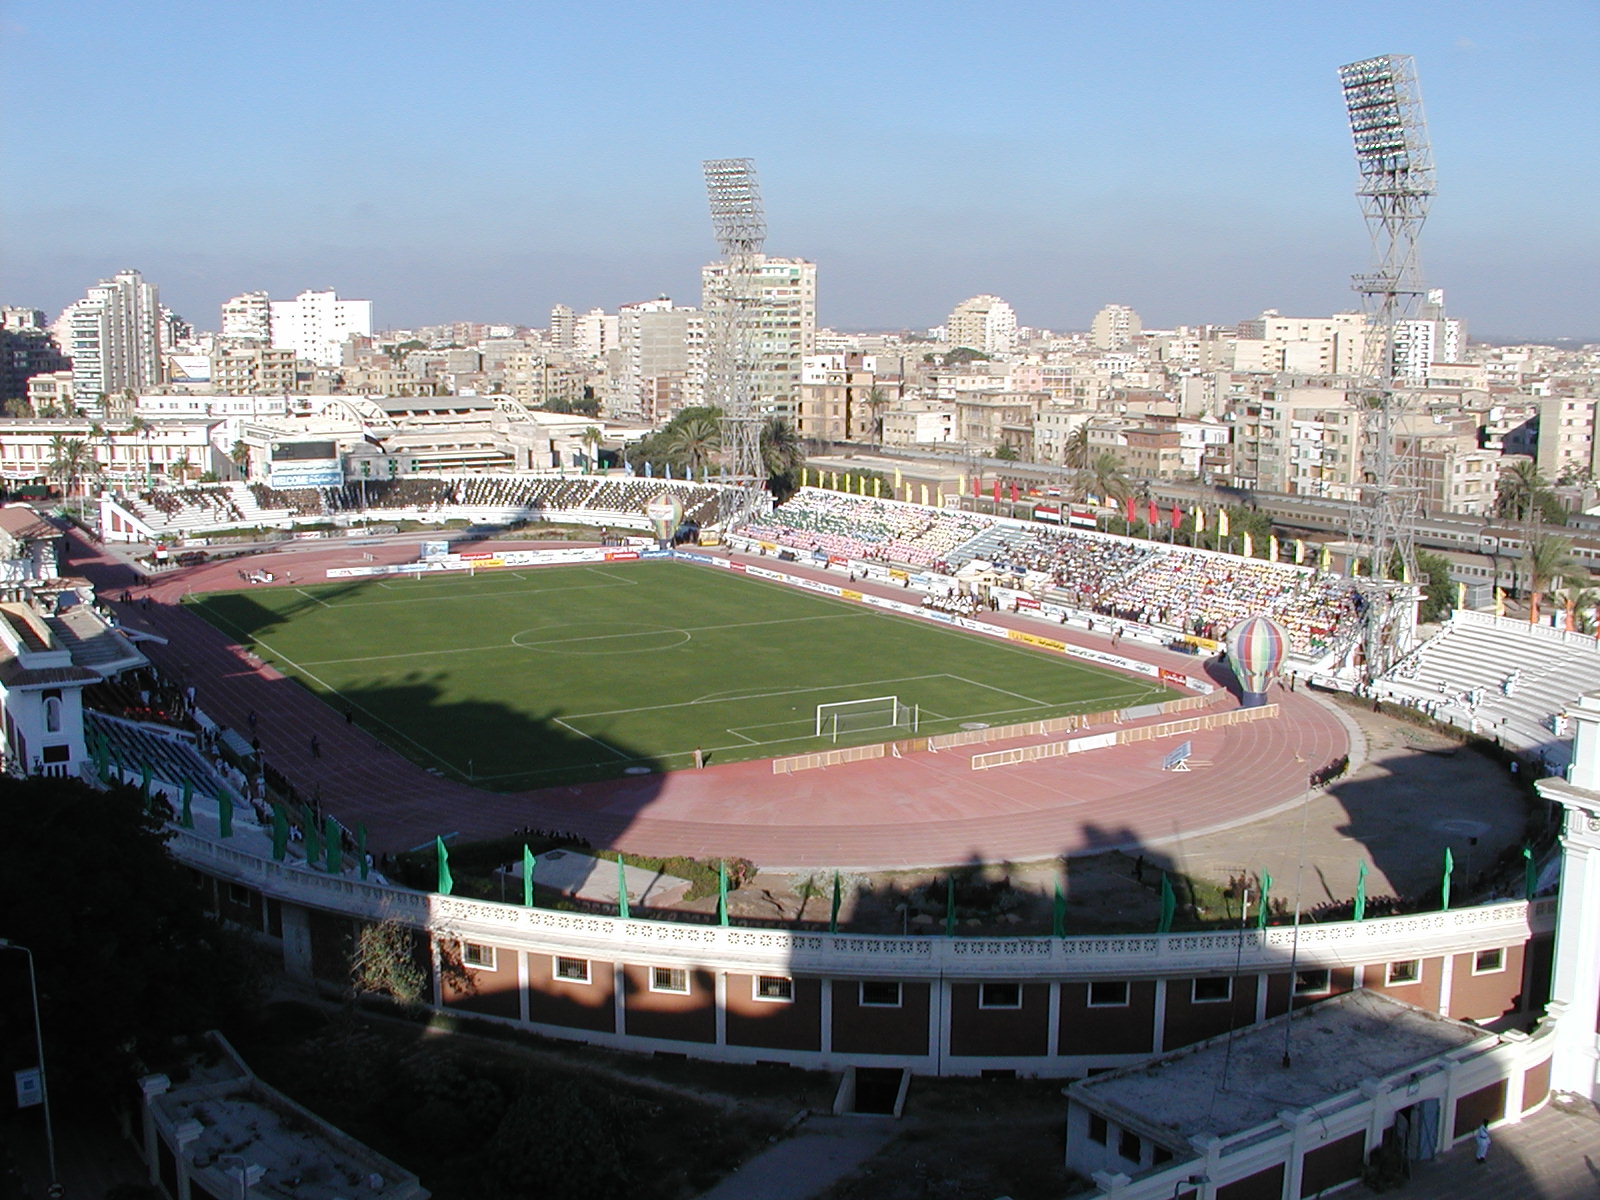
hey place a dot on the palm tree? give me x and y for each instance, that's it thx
(240, 457)
(1549, 563)
(1103, 477)
(67, 459)
(591, 438)
(692, 443)
(877, 400)
(1075, 453)
(783, 454)
(1521, 491)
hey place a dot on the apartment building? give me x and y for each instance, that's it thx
(783, 326)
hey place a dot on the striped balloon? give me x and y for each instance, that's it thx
(1256, 648)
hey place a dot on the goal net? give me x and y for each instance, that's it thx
(854, 716)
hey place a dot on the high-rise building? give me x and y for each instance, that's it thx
(1427, 338)
(660, 361)
(113, 339)
(562, 327)
(594, 334)
(984, 323)
(248, 318)
(782, 327)
(1114, 326)
(315, 325)
(26, 352)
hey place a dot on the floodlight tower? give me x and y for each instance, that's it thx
(1396, 186)
(741, 232)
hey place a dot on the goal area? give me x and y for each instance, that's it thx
(855, 716)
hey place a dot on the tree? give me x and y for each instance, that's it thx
(1439, 594)
(1523, 493)
(1104, 477)
(126, 956)
(384, 960)
(1006, 453)
(1549, 563)
(692, 444)
(240, 457)
(877, 401)
(591, 438)
(68, 459)
(783, 454)
(1075, 453)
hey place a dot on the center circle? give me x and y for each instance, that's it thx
(604, 638)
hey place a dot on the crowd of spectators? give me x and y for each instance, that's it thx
(531, 495)
(869, 529)
(1207, 595)
(1084, 565)
(212, 504)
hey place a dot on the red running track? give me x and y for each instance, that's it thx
(922, 810)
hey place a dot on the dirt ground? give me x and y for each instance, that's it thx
(1411, 792)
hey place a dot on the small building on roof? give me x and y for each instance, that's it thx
(1296, 1106)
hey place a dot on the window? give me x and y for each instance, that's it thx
(1488, 962)
(876, 994)
(52, 712)
(1128, 1146)
(240, 895)
(670, 979)
(1108, 993)
(775, 989)
(1000, 995)
(573, 970)
(1097, 1129)
(1212, 990)
(1313, 983)
(476, 954)
(1408, 971)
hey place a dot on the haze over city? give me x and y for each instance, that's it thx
(483, 162)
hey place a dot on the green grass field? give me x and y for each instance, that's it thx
(517, 679)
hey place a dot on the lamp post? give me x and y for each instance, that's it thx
(44, 1087)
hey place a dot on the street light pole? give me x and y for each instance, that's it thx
(38, 1037)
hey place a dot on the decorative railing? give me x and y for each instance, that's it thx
(1379, 939)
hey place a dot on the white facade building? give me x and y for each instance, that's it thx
(783, 328)
(113, 339)
(1114, 326)
(248, 318)
(315, 325)
(984, 323)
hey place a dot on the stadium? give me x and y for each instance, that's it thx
(842, 683)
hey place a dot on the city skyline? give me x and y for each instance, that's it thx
(1189, 161)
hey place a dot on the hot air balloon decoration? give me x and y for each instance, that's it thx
(666, 514)
(1257, 646)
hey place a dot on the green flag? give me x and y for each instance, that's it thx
(224, 815)
(280, 833)
(1266, 899)
(308, 826)
(144, 783)
(1530, 874)
(1444, 883)
(186, 813)
(1058, 924)
(1169, 904)
(833, 914)
(722, 891)
(950, 906)
(622, 889)
(527, 876)
(446, 884)
(361, 848)
(1360, 911)
(333, 845)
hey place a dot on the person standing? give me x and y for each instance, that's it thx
(1480, 1143)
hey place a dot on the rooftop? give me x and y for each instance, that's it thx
(1228, 1085)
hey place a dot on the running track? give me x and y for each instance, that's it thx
(921, 810)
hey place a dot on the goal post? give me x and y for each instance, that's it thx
(854, 716)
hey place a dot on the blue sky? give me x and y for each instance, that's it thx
(478, 161)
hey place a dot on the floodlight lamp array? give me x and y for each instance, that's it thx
(1380, 96)
(735, 195)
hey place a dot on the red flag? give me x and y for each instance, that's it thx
(1177, 517)
(1013, 493)
(997, 491)
(1129, 510)
(1152, 512)
(976, 484)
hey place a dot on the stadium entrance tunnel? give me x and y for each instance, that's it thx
(872, 1092)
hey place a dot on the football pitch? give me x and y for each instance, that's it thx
(518, 679)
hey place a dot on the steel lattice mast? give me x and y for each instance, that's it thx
(1396, 186)
(741, 232)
